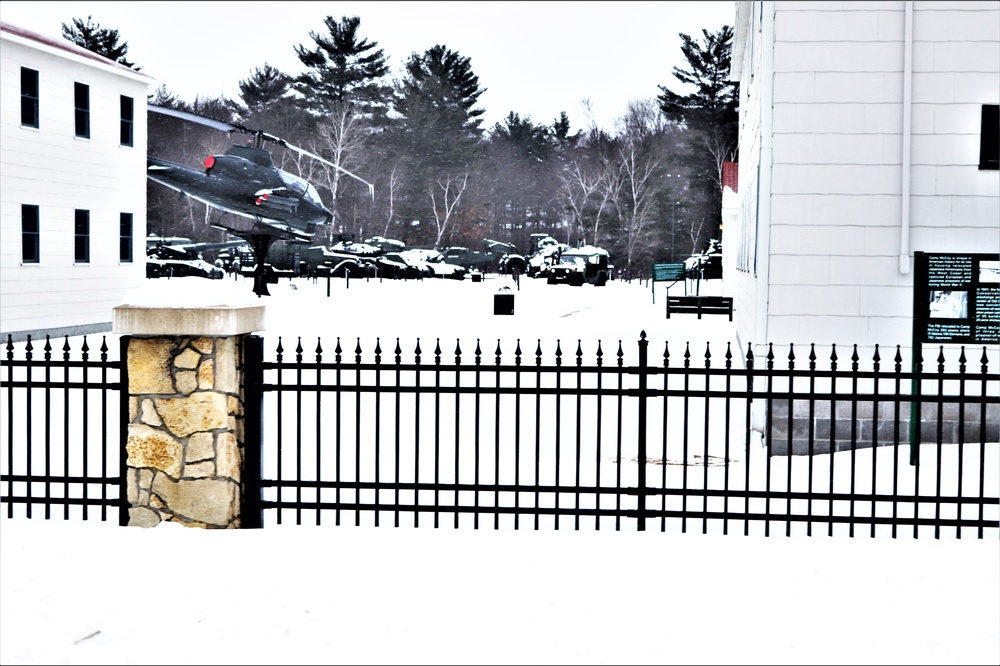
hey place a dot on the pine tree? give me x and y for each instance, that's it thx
(518, 173)
(102, 41)
(343, 68)
(266, 101)
(266, 86)
(560, 132)
(714, 105)
(438, 133)
(345, 90)
(710, 113)
(444, 80)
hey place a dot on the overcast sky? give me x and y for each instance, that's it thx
(534, 58)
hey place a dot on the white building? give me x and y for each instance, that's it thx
(868, 132)
(72, 185)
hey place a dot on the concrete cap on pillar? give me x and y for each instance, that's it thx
(189, 306)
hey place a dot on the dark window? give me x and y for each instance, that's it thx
(29, 234)
(81, 103)
(81, 244)
(989, 138)
(127, 120)
(125, 238)
(29, 97)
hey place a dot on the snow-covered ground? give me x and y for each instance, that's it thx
(81, 593)
(75, 594)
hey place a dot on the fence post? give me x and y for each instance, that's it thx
(641, 497)
(124, 402)
(185, 450)
(253, 395)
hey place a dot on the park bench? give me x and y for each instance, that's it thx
(671, 273)
(700, 305)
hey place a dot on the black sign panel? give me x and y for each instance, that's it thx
(956, 298)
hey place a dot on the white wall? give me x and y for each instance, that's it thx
(747, 238)
(834, 229)
(53, 169)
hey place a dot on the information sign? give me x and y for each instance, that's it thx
(956, 298)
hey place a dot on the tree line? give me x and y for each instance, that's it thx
(648, 190)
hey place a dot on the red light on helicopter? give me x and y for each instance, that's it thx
(209, 162)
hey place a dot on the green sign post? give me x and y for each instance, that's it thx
(956, 299)
(672, 273)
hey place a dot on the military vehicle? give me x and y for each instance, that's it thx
(463, 256)
(175, 256)
(586, 264)
(708, 264)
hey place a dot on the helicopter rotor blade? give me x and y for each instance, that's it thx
(215, 123)
(371, 188)
(198, 118)
(232, 127)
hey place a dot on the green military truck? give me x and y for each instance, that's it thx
(581, 265)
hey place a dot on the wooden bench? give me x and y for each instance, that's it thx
(672, 273)
(700, 305)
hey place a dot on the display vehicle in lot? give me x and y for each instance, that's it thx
(582, 265)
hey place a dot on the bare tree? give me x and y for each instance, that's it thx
(340, 137)
(721, 150)
(638, 163)
(692, 229)
(610, 188)
(588, 112)
(392, 189)
(577, 185)
(452, 188)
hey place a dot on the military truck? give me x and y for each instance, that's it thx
(576, 266)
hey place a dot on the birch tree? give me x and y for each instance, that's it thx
(638, 174)
(445, 193)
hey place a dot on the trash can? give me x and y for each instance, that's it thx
(477, 276)
(503, 302)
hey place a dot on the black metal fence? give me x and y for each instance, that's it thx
(515, 439)
(623, 438)
(63, 432)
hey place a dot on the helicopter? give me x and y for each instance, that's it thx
(269, 203)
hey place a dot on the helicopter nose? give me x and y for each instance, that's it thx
(321, 214)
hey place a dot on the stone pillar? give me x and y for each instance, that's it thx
(185, 423)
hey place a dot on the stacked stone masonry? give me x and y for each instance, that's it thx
(863, 423)
(185, 431)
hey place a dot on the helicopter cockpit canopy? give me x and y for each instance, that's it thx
(301, 186)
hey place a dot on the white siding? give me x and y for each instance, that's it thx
(741, 237)
(51, 168)
(834, 202)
